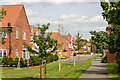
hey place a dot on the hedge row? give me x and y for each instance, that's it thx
(10, 62)
(83, 53)
(33, 61)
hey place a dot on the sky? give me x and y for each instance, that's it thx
(79, 16)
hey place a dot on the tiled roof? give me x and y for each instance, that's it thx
(35, 29)
(30, 27)
(88, 44)
(67, 37)
(56, 36)
(12, 12)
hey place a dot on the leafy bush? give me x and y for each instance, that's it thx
(5, 60)
(51, 58)
(81, 53)
(74, 54)
(16, 61)
(47, 59)
(55, 57)
(10, 61)
(21, 62)
(104, 59)
(34, 60)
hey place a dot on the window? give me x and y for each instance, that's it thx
(5, 35)
(0, 53)
(3, 52)
(16, 52)
(25, 54)
(24, 35)
(31, 37)
(0, 34)
(17, 34)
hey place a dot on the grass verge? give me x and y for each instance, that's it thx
(113, 72)
(67, 70)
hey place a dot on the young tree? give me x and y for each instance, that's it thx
(44, 42)
(80, 42)
(111, 13)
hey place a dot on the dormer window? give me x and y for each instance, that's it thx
(24, 35)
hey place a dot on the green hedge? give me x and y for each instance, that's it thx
(10, 62)
(16, 61)
(33, 61)
(83, 53)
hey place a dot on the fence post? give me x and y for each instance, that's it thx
(45, 70)
(60, 63)
(40, 70)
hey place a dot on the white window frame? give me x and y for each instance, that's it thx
(3, 53)
(5, 34)
(16, 52)
(26, 56)
(17, 34)
(24, 35)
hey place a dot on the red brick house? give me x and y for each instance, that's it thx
(65, 41)
(86, 47)
(16, 16)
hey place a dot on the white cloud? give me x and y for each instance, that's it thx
(55, 1)
(74, 19)
(31, 13)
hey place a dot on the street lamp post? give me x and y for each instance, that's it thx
(10, 30)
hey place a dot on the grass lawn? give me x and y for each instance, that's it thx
(112, 71)
(67, 70)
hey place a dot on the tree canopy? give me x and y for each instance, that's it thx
(80, 42)
(43, 41)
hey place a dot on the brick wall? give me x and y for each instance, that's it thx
(110, 57)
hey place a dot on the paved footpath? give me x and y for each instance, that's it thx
(97, 71)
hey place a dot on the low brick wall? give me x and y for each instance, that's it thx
(111, 58)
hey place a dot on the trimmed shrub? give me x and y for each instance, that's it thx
(55, 57)
(5, 61)
(81, 53)
(104, 59)
(74, 54)
(16, 61)
(21, 62)
(26, 63)
(11, 61)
